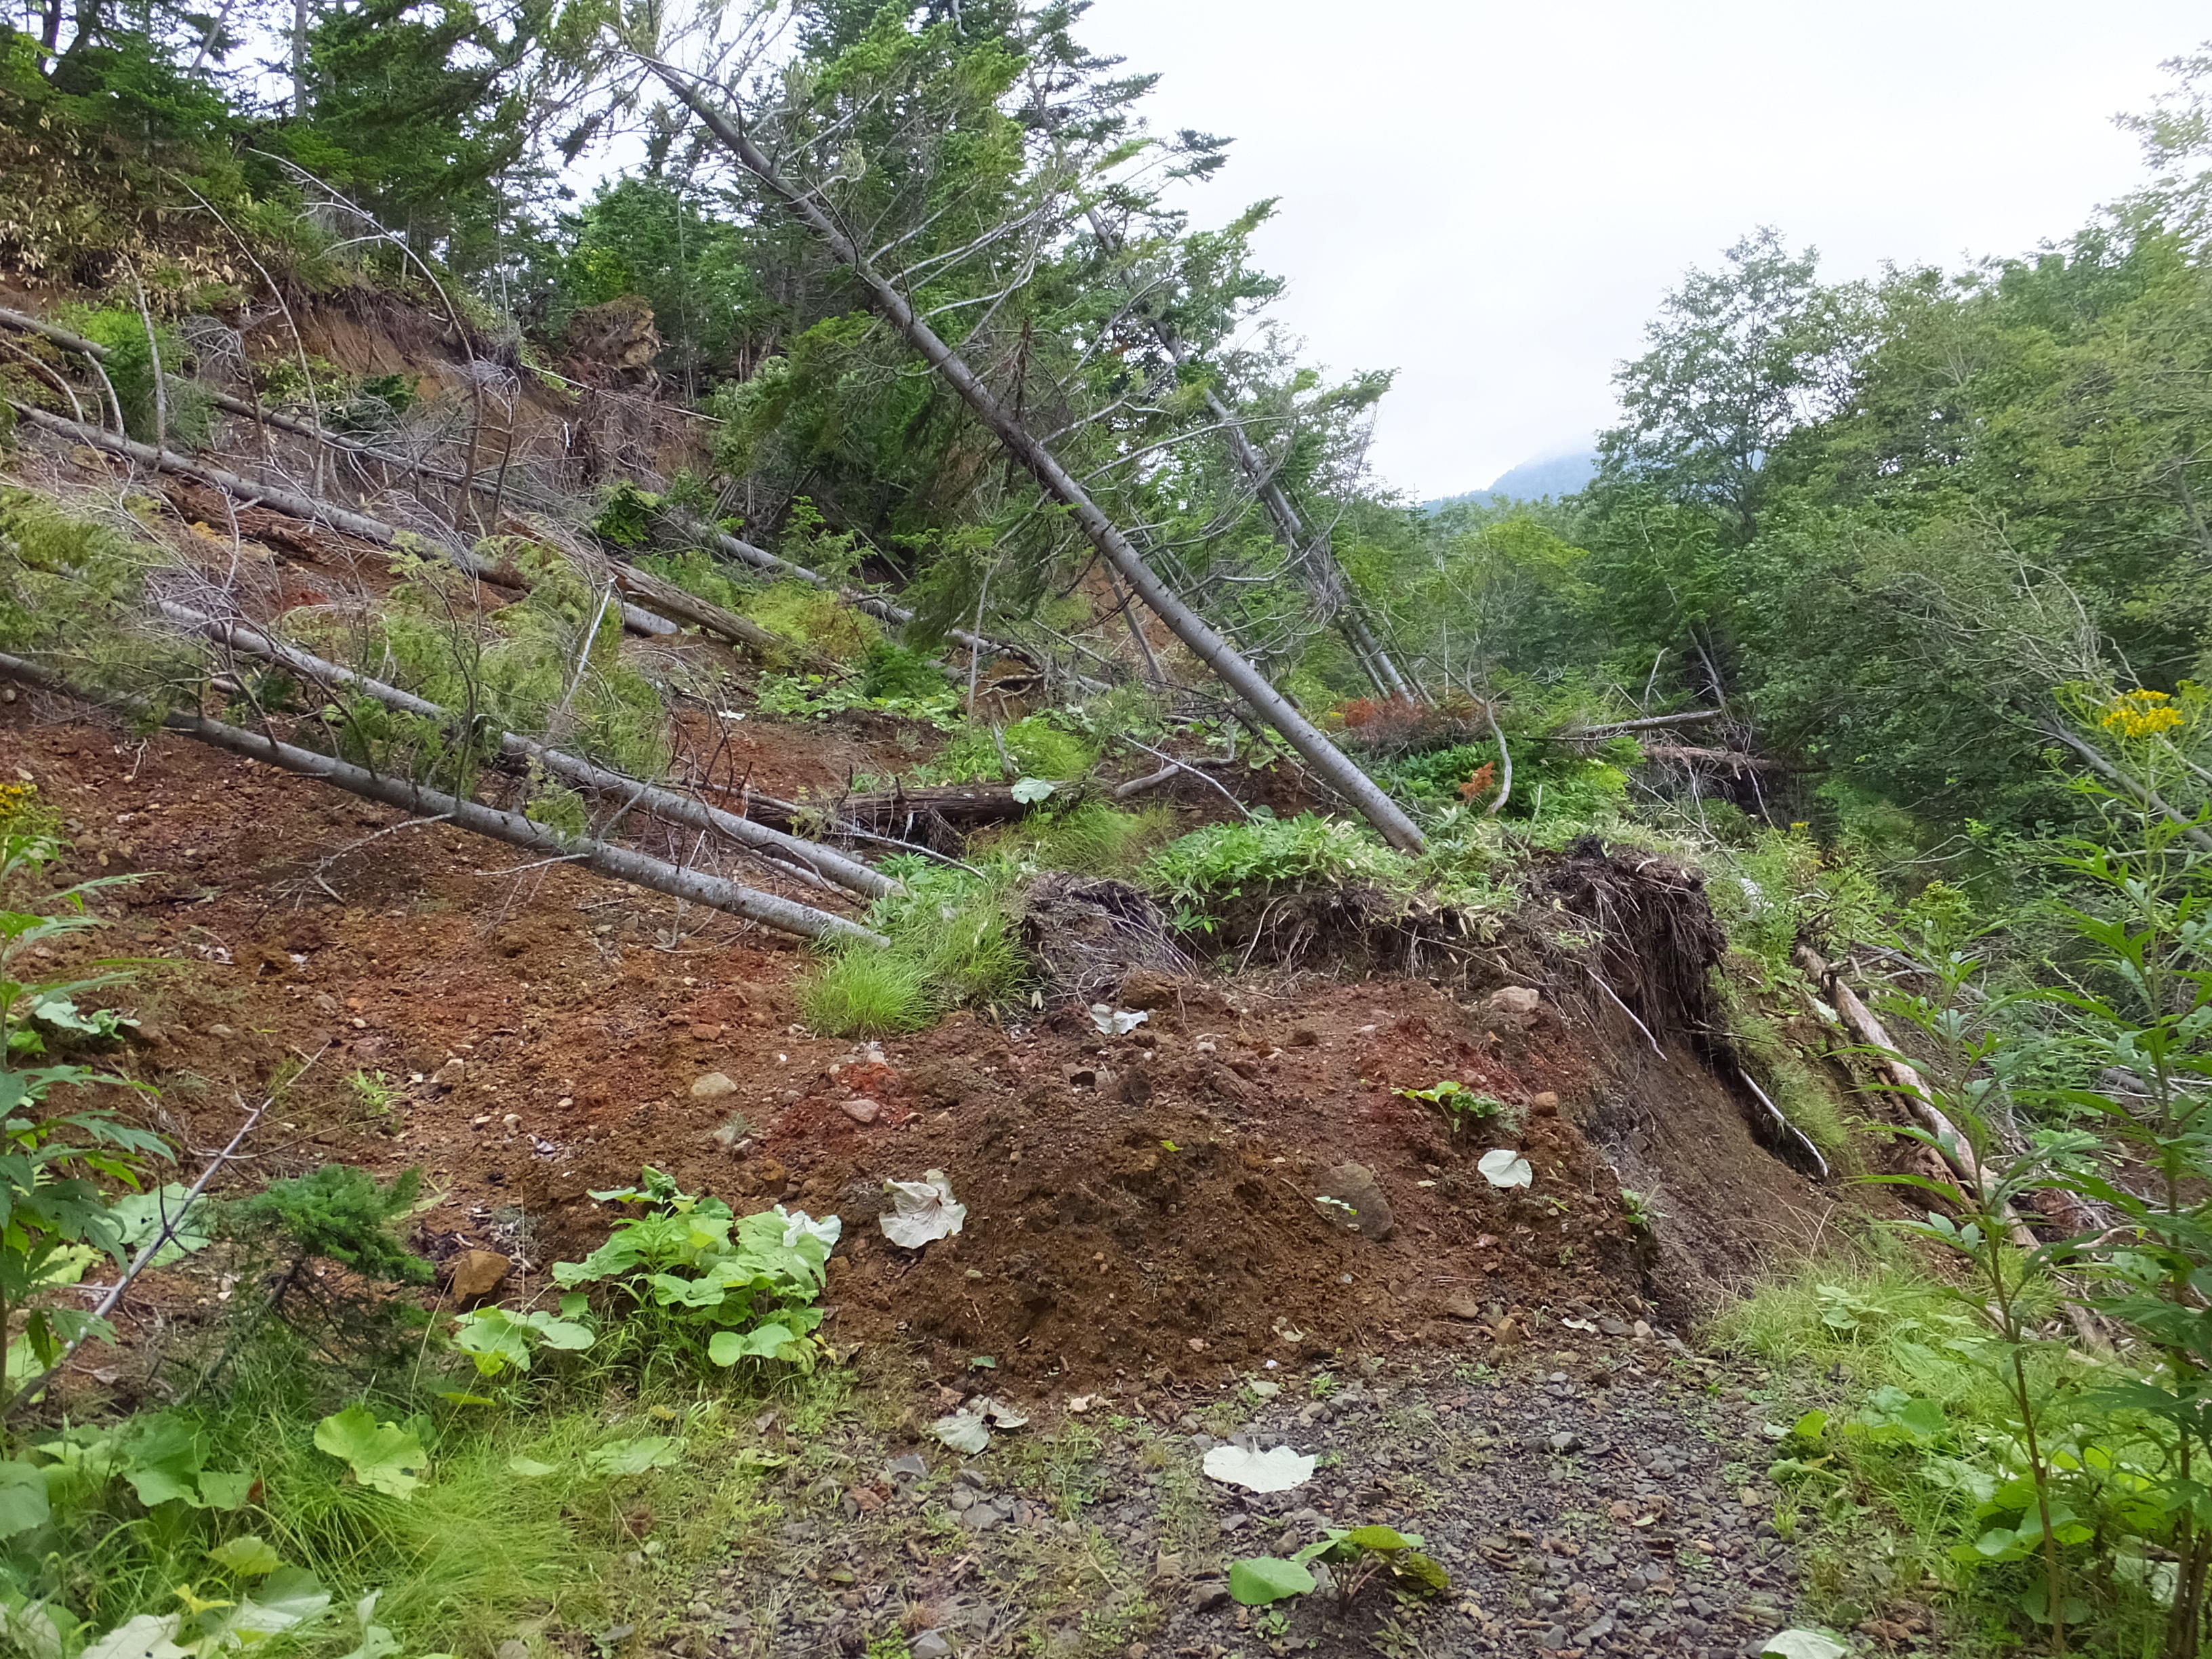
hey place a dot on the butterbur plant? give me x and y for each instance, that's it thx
(747, 1285)
(1462, 1105)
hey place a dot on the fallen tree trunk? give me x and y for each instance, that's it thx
(874, 604)
(303, 507)
(1649, 722)
(823, 861)
(1330, 762)
(1906, 1083)
(622, 863)
(659, 594)
(1735, 760)
(671, 603)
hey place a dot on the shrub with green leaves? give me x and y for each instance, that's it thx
(1035, 747)
(340, 1214)
(1462, 1106)
(744, 1287)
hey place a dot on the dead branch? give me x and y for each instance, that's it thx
(621, 863)
(825, 861)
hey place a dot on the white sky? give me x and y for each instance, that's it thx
(1492, 199)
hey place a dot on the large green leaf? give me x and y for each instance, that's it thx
(383, 1455)
(1265, 1578)
(23, 1498)
(651, 1451)
(763, 1342)
(251, 1555)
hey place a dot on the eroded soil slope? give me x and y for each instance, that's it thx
(1143, 1210)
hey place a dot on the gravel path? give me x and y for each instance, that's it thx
(1606, 1499)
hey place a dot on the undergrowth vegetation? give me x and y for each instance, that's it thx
(335, 1467)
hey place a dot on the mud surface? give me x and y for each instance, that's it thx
(1142, 1209)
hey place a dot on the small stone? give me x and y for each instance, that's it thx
(712, 1086)
(1545, 1104)
(513, 1649)
(929, 1645)
(1205, 1596)
(908, 1466)
(477, 1273)
(1460, 1305)
(1355, 1184)
(1512, 1008)
(860, 1108)
(449, 1074)
(1554, 1639)
(1564, 1442)
(225, 1030)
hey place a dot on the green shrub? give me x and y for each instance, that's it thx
(738, 1287)
(131, 358)
(341, 1214)
(815, 617)
(1550, 781)
(890, 670)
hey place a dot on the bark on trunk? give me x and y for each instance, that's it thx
(826, 862)
(1249, 684)
(1859, 1020)
(639, 869)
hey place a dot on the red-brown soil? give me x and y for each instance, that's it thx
(1138, 1215)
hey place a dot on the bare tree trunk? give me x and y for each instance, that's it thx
(623, 864)
(833, 866)
(1314, 557)
(1249, 684)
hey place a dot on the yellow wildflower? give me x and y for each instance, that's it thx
(2141, 714)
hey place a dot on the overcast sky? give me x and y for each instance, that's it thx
(1491, 199)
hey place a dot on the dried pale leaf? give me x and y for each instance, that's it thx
(1803, 1644)
(1503, 1167)
(1275, 1471)
(922, 1211)
(964, 1431)
(1116, 1022)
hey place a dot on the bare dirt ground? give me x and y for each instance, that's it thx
(1493, 1370)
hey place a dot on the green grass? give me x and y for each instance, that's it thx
(862, 992)
(1090, 837)
(478, 1554)
(1036, 747)
(952, 943)
(814, 617)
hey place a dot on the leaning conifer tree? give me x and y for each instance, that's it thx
(797, 172)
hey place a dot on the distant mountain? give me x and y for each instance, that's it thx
(1552, 475)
